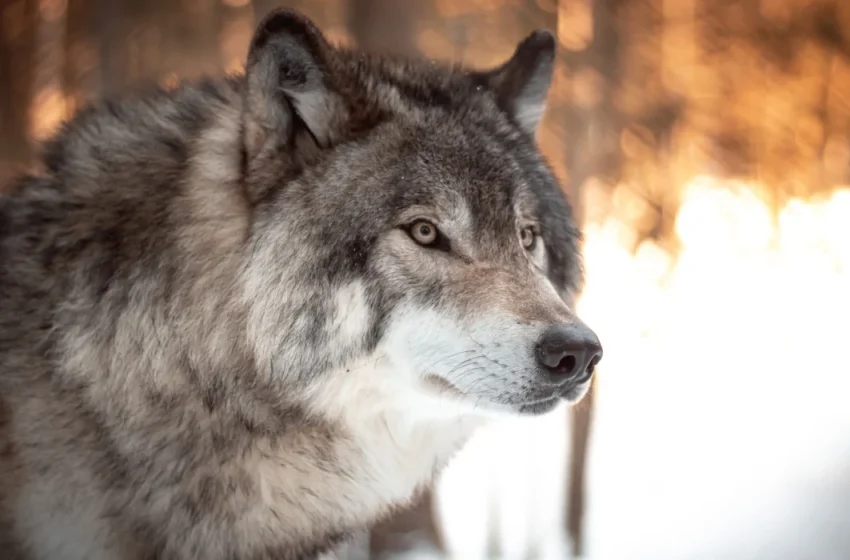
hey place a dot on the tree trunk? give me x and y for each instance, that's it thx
(595, 154)
(17, 41)
(384, 25)
(114, 44)
(81, 71)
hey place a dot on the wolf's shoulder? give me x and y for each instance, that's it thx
(106, 181)
(141, 138)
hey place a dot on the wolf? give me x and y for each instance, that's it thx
(247, 317)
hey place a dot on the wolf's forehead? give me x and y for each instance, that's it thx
(478, 178)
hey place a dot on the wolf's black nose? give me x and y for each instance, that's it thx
(569, 351)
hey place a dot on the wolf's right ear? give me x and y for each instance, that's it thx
(288, 80)
(522, 83)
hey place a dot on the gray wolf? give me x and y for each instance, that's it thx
(246, 317)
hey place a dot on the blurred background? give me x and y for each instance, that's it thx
(706, 147)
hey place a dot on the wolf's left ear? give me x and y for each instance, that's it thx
(288, 80)
(522, 83)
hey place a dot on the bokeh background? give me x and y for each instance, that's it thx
(705, 146)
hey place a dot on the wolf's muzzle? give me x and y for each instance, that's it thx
(568, 352)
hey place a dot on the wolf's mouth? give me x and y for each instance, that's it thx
(540, 406)
(544, 400)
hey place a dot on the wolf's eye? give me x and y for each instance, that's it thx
(528, 238)
(424, 233)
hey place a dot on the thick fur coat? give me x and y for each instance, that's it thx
(225, 332)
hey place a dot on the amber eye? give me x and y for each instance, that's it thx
(424, 233)
(528, 238)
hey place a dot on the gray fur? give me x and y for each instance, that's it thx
(199, 281)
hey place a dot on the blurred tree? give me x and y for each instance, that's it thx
(81, 72)
(385, 25)
(188, 34)
(17, 42)
(117, 23)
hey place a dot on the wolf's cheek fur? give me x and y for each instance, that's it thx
(301, 328)
(485, 361)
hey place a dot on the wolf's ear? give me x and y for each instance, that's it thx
(288, 80)
(522, 83)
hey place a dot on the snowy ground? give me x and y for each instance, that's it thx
(745, 470)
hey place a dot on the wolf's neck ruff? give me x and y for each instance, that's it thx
(243, 318)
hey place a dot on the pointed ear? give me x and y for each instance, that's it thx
(288, 80)
(522, 83)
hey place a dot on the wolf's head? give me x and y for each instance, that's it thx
(408, 237)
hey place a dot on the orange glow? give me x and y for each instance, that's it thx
(169, 81)
(235, 37)
(52, 10)
(723, 228)
(453, 8)
(575, 24)
(47, 111)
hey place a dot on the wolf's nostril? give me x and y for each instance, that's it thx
(567, 364)
(568, 351)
